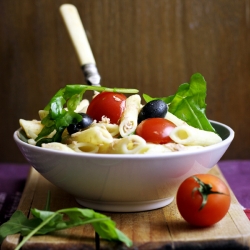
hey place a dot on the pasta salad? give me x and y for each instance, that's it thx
(116, 121)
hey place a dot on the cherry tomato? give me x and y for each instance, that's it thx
(203, 199)
(155, 130)
(107, 104)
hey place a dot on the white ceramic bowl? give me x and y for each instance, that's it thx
(124, 183)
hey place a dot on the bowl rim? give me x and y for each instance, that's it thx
(224, 142)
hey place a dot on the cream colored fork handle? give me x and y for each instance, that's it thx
(77, 34)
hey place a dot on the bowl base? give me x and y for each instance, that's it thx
(124, 206)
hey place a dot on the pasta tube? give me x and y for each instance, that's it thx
(32, 129)
(174, 119)
(95, 135)
(83, 147)
(151, 148)
(128, 145)
(57, 146)
(179, 147)
(129, 118)
(113, 129)
(190, 136)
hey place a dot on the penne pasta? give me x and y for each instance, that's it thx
(113, 129)
(57, 146)
(31, 128)
(94, 135)
(128, 145)
(83, 147)
(190, 136)
(179, 147)
(151, 148)
(129, 118)
(174, 119)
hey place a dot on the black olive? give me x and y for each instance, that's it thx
(84, 123)
(153, 109)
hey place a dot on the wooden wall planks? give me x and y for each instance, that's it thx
(146, 44)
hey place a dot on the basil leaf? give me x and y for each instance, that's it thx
(188, 103)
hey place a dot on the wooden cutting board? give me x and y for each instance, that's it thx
(158, 229)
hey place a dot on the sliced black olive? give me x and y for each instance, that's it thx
(84, 123)
(153, 109)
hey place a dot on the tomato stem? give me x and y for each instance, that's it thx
(204, 189)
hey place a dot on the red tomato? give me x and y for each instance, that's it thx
(155, 130)
(192, 192)
(107, 104)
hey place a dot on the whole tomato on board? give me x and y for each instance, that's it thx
(109, 104)
(155, 130)
(203, 199)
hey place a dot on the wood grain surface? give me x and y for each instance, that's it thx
(146, 44)
(157, 229)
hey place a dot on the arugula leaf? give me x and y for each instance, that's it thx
(14, 225)
(59, 118)
(188, 103)
(23, 136)
(46, 221)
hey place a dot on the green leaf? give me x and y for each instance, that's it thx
(16, 224)
(59, 118)
(12, 226)
(56, 107)
(68, 118)
(59, 93)
(48, 121)
(47, 205)
(46, 131)
(188, 103)
(148, 98)
(72, 90)
(46, 221)
(44, 140)
(73, 102)
(22, 135)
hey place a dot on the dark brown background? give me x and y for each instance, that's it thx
(153, 45)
